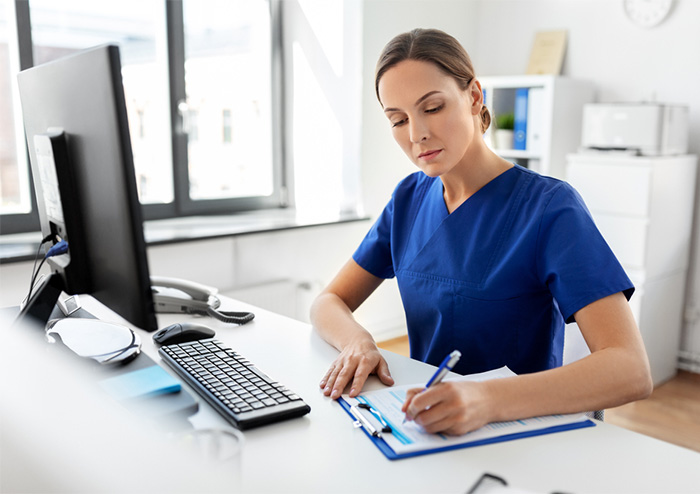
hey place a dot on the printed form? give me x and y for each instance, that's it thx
(409, 437)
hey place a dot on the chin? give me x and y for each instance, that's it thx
(432, 171)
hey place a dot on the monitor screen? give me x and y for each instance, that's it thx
(75, 119)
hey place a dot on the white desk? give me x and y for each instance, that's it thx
(322, 452)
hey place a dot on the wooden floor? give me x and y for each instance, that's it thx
(671, 413)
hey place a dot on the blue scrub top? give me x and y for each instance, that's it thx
(498, 277)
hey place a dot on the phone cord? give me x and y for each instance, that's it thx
(229, 317)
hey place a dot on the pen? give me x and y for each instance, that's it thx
(446, 366)
(448, 363)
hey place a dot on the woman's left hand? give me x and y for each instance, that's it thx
(449, 407)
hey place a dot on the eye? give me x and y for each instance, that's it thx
(398, 123)
(434, 110)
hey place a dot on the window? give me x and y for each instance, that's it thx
(61, 28)
(208, 112)
(192, 130)
(227, 137)
(228, 65)
(325, 65)
(15, 185)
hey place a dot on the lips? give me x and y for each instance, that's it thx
(429, 155)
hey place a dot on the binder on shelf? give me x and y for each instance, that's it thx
(535, 117)
(520, 123)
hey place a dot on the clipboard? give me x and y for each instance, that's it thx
(375, 413)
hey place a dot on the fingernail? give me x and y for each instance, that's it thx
(322, 384)
(352, 392)
(326, 389)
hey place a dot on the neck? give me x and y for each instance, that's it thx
(475, 171)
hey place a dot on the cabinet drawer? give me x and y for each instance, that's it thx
(612, 188)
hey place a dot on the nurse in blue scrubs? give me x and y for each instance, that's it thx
(491, 259)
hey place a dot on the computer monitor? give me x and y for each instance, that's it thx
(76, 123)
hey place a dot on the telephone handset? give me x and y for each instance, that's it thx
(178, 295)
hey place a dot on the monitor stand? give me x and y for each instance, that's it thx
(41, 304)
(170, 409)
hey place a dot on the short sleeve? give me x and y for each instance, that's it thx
(574, 260)
(374, 253)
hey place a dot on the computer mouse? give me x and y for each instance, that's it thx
(182, 332)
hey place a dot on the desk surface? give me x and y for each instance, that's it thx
(323, 452)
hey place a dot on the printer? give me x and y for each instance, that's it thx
(649, 129)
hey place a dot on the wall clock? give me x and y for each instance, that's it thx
(647, 13)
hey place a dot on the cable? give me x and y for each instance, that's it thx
(224, 316)
(231, 317)
(35, 270)
(59, 248)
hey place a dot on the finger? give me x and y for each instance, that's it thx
(423, 400)
(341, 381)
(324, 379)
(384, 374)
(435, 418)
(410, 395)
(330, 382)
(364, 369)
(439, 419)
(445, 425)
(358, 382)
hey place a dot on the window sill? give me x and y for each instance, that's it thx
(23, 247)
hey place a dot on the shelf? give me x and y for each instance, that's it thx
(549, 114)
(517, 81)
(517, 154)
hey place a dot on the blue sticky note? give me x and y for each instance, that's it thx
(150, 381)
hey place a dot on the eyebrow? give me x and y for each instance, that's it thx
(420, 100)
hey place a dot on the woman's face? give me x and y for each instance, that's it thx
(432, 119)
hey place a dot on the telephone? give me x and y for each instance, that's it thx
(175, 295)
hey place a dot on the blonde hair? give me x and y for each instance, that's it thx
(434, 46)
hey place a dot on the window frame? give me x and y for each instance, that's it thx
(27, 222)
(182, 204)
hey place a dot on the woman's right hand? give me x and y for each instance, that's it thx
(331, 315)
(355, 363)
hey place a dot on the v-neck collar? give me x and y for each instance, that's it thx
(431, 216)
(439, 187)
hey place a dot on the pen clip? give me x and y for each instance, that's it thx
(364, 422)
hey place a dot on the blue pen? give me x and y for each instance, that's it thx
(446, 366)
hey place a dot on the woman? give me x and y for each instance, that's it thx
(491, 259)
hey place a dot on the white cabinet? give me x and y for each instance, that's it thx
(644, 206)
(553, 117)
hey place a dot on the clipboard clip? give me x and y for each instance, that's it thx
(362, 420)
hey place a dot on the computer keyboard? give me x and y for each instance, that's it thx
(238, 390)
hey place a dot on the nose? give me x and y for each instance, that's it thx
(418, 131)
